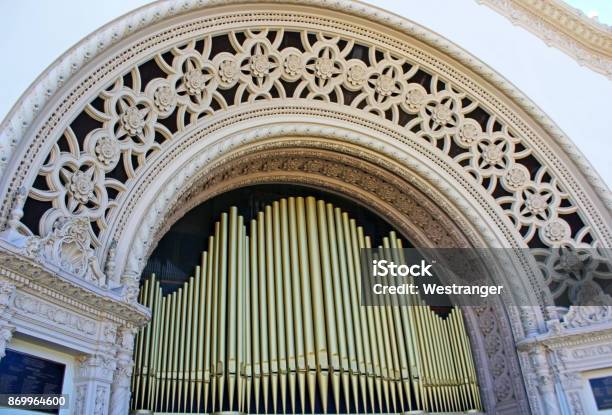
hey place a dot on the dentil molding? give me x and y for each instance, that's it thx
(563, 27)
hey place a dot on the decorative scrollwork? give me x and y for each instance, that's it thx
(88, 172)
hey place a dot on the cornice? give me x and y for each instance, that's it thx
(40, 279)
(586, 40)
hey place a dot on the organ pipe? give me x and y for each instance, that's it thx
(271, 322)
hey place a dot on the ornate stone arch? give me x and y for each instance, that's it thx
(141, 117)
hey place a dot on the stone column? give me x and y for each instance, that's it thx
(572, 389)
(545, 381)
(92, 384)
(7, 298)
(120, 390)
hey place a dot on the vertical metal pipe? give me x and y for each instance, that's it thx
(188, 340)
(317, 299)
(271, 299)
(352, 372)
(307, 307)
(291, 322)
(222, 305)
(232, 311)
(402, 338)
(278, 294)
(361, 338)
(266, 316)
(182, 346)
(175, 349)
(211, 295)
(164, 354)
(257, 312)
(249, 338)
(202, 299)
(339, 356)
(415, 351)
(154, 347)
(297, 297)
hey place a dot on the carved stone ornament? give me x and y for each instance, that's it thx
(7, 299)
(68, 248)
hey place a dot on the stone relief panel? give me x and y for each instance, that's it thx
(55, 315)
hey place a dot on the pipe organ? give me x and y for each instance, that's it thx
(271, 322)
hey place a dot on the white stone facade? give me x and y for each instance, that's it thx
(375, 122)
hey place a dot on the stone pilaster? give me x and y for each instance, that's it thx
(545, 381)
(120, 390)
(92, 384)
(7, 298)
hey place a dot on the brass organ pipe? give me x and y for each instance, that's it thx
(245, 336)
(465, 365)
(391, 345)
(202, 300)
(436, 320)
(221, 366)
(369, 351)
(164, 353)
(270, 284)
(232, 312)
(402, 338)
(436, 352)
(176, 335)
(414, 361)
(154, 345)
(216, 277)
(356, 315)
(384, 340)
(327, 291)
(296, 289)
(455, 363)
(256, 314)
(145, 391)
(187, 372)
(181, 347)
(375, 335)
(470, 363)
(170, 360)
(317, 300)
(291, 363)
(309, 337)
(240, 316)
(343, 366)
(249, 297)
(435, 371)
(264, 310)
(210, 295)
(453, 374)
(353, 367)
(280, 316)
(461, 375)
(423, 347)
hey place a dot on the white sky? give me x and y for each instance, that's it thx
(36, 32)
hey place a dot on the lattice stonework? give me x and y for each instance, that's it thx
(107, 146)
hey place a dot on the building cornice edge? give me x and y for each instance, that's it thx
(559, 25)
